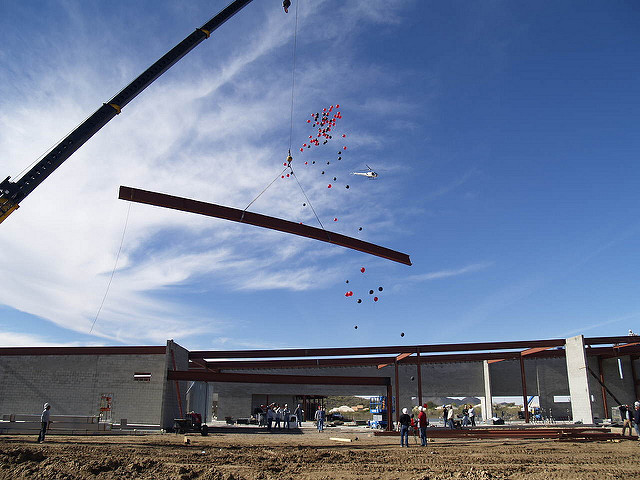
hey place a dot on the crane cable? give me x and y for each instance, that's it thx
(293, 74)
(124, 230)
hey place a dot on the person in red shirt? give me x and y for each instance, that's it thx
(422, 424)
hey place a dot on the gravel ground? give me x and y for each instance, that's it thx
(311, 456)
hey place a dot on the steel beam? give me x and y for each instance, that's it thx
(143, 350)
(380, 362)
(392, 350)
(621, 339)
(236, 215)
(200, 376)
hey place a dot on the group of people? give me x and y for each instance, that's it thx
(630, 416)
(276, 416)
(408, 424)
(449, 416)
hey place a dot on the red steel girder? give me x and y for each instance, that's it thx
(391, 350)
(236, 215)
(380, 362)
(200, 376)
(608, 340)
(396, 350)
(142, 350)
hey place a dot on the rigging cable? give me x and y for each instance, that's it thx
(265, 188)
(293, 74)
(309, 202)
(124, 230)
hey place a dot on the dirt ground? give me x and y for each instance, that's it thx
(311, 456)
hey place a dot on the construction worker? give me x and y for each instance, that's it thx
(45, 422)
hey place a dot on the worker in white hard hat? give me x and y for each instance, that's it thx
(45, 422)
(405, 421)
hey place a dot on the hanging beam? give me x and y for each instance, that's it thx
(236, 215)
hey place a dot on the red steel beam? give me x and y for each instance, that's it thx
(380, 362)
(531, 351)
(143, 350)
(236, 215)
(200, 376)
(392, 350)
(608, 340)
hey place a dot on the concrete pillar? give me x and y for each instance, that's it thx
(578, 376)
(487, 402)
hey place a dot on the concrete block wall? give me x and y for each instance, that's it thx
(622, 388)
(73, 385)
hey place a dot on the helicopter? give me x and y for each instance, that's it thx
(371, 175)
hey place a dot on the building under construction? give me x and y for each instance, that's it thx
(581, 379)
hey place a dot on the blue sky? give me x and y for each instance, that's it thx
(505, 135)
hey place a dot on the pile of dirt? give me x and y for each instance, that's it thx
(310, 457)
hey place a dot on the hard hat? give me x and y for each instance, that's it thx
(46, 405)
(404, 410)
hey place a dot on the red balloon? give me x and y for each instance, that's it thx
(287, 175)
(285, 164)
(344, 148)
(343, 135)
(308, 121)
(306, 163)
(362, 269)
(375, 299)
(329, 186)
(335, 219)
(282, 176)
(337, 106)
(304, 144)
(302, 149)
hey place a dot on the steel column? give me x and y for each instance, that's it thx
(524, 390)
(397, 392)
(602, 389)
(419, 372)
(635, 380)
(389, 407)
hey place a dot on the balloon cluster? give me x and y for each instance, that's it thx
(325, 123)
(350, 293)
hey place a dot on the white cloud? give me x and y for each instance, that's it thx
(213, 132)
(450, 273)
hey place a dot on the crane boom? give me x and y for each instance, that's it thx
(12, 193)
